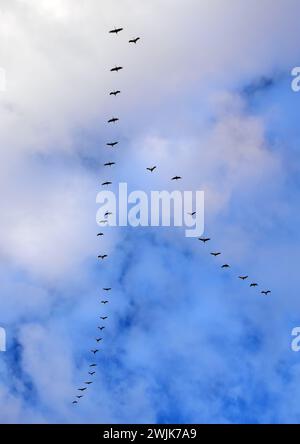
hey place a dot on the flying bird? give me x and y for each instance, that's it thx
(108, 213)
(116, 31)
(107, 289)
(254, 285)
(192, 214)
(105, 184)
(79, 397)
(103, 256)
(204, 239)
(225, 266)
(95, 351)
(103, 318)
(113, 120)
(112, 144)
(82, 389)
(151, 169)
(176, 178)
(109, 164)
(93, 365)
(99, 339)
(266, 292)
(105, 221)
(134, 40)
(88, 382)
(75, 402)
(100, 234)
(104, 302)
(116, 69)
(215, 254)
(114, 93)
(92, 373)
(101, 328)
(243, 278)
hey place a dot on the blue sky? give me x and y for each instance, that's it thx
(206, 94)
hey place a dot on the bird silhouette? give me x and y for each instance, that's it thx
(92, 373)
(109, 164)
(215, 254)
(102, 256)
(243, 278)
(79, 397)
(100, 234)
(101, 328)
(108, 213)
(134, 40)
(88, 382)
(95, 351)
(204, 239)
(93, 365)
(99, 339)
(113, 120)
(116, 69)
(104, 221)
(82, 389)
(151, 169)
(75, 402)
(112, 144)
(105, 184)
(103, 318)
(225, 266)
(116, 31)
(107, 289)
(114, 93)
(176, 178)
(266, 292)
(253, 285)
(104, 302)
(192, 214)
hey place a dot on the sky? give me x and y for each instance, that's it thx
(206, 94)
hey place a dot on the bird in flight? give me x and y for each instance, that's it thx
(79, 397)
(266, 292)
(101, 328)
(88, 382)
(112, 144)
(103, 256)
(204, 239)
(192, 214)
(100, 234)
(105, 184)
(104, 302)
(107, 289)
(176, 178)
(116, 31)
(99, 339)
(92, 373)
(114, 93)
(135, 40)
(103, 318)
(116, 69)
(108, 213)
(82, 389)
(75, 402)
(105, 221)
(113, 120)
(243, 278)
(254, 285)
(95, 351)
(93, 365)
(109, 164)
(225, 266)
(151, 169)
(215, 254)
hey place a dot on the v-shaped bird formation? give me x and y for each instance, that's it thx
(92, 370)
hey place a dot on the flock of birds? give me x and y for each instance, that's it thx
(204, 240)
